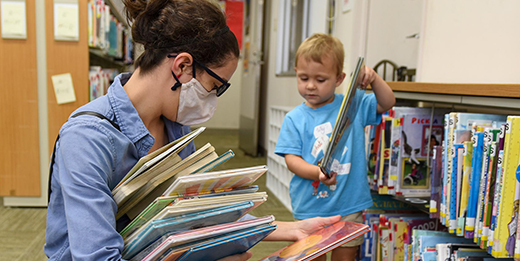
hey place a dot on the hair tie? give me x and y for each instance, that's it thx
(222, 31)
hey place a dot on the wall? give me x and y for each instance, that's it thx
(469, 41)
(390, 23)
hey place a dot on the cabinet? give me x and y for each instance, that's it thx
(30, 115)
(492, 98)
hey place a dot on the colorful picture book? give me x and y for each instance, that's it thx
(320, 242)
(346, 115)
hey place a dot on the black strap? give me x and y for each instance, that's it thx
(91, 113)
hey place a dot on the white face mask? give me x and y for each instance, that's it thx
(196, 104)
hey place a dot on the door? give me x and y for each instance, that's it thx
(251, 77)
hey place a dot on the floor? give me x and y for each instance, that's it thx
(22, 230)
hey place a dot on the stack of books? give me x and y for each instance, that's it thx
(182, 210)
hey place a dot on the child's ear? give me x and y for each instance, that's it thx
(340, 79)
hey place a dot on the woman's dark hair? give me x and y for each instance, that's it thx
(197, 27)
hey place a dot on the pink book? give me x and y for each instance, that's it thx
(320, 242)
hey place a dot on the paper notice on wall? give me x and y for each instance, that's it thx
(13, 21)
(66, 21)
(63, 88)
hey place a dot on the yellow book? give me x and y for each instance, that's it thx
(400, 229)
(466, 172)
(503, 245)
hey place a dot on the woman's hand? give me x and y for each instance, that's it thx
(237, 257)
(306, 227)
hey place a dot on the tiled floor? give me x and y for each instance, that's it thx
(22, 230)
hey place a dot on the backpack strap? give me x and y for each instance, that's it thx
(91, 113)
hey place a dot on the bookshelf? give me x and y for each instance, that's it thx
(31, 117)
(19, 114)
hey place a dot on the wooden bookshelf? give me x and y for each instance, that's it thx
(468, 89)
(19, 157)
(66, 57)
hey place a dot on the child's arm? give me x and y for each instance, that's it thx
(384, 94)
(303, 169)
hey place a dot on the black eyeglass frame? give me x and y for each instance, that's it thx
(220, 89)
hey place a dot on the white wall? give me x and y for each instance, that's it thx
(389, 24)
(469, 41)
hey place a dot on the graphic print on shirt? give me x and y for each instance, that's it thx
(321, 133)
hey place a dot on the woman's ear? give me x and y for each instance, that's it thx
(340, 79)
(182, 64)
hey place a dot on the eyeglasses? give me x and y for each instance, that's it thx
(220, 89)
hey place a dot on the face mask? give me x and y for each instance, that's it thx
(196, 104)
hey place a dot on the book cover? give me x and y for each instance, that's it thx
(414, 177)
(346, 115)
(320, 242)
(159, 228)
(227, 246)
(167, 242)
(395, 141)
(506, 226)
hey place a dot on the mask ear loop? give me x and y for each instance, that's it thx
(177, 84)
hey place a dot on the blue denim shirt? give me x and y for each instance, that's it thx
(91, 158)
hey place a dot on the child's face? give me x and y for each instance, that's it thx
(317, 81)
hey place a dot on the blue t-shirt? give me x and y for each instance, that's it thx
(304, 132)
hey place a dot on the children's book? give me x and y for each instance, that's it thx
(153, 188)
(214, 181)
(435, 181)
(416, 135)
(320, 242)
(167, 155)
(347, 113)
(395, 141)
(168, 242)
(508, 205)
(158, 228)
(456, 173)
(466, 177)
(498, 184)
(383, 176)
(476, 167)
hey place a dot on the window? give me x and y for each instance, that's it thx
(297, 20)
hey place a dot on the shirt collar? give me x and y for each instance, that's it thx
(131, 124)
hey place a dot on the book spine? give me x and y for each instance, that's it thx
(395, 155)
(453, 189)
(436, 181)
(449, 158)
(483, 182)
(445, 167)
(489, 193)
(476, 163)
(498, 184)
(504, 241)
(466, 173)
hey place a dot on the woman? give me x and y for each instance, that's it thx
(189, 56)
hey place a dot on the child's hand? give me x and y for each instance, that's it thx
(328, 181)
(370, 76)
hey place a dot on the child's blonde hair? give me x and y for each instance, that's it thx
(319, 45)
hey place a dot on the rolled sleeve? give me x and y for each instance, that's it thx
(289, 139)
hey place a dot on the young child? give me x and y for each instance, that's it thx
(319, 70)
